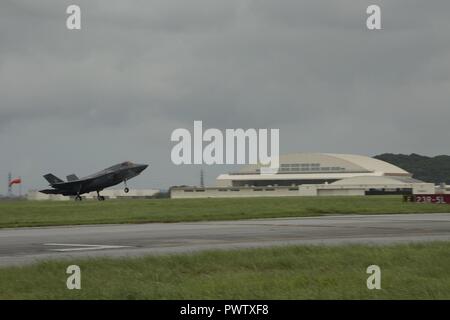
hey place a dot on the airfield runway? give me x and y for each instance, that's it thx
(27, 245)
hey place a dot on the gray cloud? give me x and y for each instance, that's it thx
(77, 101)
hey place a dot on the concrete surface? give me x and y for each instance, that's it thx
(27, 245)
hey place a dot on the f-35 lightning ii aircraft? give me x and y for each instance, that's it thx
(96, 182)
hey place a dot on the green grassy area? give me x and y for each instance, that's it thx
(48, 213)
(416, 271)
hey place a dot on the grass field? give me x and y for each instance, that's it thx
(419, 271)
(48, 213)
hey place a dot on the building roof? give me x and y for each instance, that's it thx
(309, 163)
(376, 180)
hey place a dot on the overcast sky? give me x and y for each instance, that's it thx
(79, 101)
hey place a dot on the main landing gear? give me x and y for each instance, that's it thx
(78, 197)
(126, 190)
(99, 197)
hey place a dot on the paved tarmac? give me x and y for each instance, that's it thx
(27, 245)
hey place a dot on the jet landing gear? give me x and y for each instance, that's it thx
(126, 190)
(99, 197)
(78, 197)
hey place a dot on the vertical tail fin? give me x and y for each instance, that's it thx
(72, 177)
(52, 179)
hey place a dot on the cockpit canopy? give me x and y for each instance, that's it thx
(126, 164)
(122, 165)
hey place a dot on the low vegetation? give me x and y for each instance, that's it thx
(50, 213)
(416, 271)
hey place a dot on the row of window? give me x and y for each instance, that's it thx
(300, 165)
(237, 189)
(314, 169)
(298, 168)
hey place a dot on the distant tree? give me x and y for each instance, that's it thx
(429, 169)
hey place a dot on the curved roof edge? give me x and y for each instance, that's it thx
(352, 162)
(376, 180)
(370, 163)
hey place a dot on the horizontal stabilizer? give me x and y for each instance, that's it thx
(72, 177)
(52, 179)
(50, 191)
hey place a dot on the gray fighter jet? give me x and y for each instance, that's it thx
(96, 182)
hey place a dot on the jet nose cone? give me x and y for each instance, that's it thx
(141, 167)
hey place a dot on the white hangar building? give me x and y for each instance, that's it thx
(313, 174)
(312, 168)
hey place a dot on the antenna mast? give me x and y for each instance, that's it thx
(9, 185)
(202, 179)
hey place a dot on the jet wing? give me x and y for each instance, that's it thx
(72, 184)
(50, 191)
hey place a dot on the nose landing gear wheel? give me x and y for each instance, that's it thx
(126, 190)
(78, 198)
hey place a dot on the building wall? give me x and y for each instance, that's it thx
(424, 188)
(108, 194)
(231, 192)
(36, 195)
(303, 190)
(341, 192)
(245, 192)
(282, 179)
